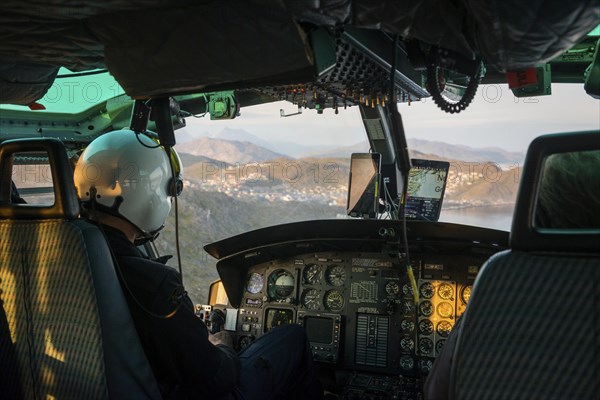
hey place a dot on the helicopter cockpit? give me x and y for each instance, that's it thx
(377, 280)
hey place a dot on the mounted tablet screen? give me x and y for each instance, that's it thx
(426, 186)
(363, 187)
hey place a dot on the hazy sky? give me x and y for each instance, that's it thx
(495, 118)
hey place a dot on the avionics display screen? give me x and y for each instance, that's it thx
(426, 186)
(319, 329)
(278, 316)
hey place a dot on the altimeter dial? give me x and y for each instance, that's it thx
(311, 299)
(426, 327)
(445, 310)
(426, 290)
(443, 328)
(312, 274)
(334, 300)
(446, 291)
(465, 294)
(392, 288)
(336, 275)
(426, 308)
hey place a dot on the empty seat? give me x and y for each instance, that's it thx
(532, 326)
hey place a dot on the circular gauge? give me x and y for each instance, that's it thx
(408, 307)
(446, 291)
(407, 289)
(311, 299)
(280, 285)
(439, 345)
(255, 283)
(426, 290)
(443, 328)
(392, 288)
(245, 341)
(407, 343)
(465, 294)
(312, 274)
(445, 310)
(426, 327)
(407, 363)
(425, 346)
(334, 300)
(426, 308)
(426, 366)
(407, 325)
(336, 275)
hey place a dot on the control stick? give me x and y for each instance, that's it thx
(215, 321)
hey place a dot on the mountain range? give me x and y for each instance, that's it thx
(239, 146)
(465, 153)
(289, 149)
(230, 151)
(474, 178)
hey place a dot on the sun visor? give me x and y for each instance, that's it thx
(204, 46)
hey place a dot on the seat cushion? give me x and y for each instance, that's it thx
(48, 297)
(531, 329)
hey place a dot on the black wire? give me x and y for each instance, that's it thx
(404, 237)
(405, 183)
(118, 267)
(169, 150)
(87, 73)
(403, 214)
(434, 89)
(393, 68)
(186, 114)
(393, 211)
(142, 143)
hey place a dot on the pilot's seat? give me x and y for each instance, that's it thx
(65, 329)
(532, 326)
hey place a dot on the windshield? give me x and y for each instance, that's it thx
(272, 165)
(262, 169)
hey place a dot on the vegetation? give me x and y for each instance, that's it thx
(205, 217)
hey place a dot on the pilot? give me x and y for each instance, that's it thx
(125, 183)
(569, 180)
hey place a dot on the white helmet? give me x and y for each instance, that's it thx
(132, 178)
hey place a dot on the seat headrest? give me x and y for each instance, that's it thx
(66, 204)
(527, 234)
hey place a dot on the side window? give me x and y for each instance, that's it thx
(569, 191)
(32, 178)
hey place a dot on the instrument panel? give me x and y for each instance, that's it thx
(349, 288)
(358, 309)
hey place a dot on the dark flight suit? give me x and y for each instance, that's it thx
(183, 360)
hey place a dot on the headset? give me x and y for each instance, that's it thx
(175, 185)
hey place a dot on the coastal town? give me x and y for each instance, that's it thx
(326, 181)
